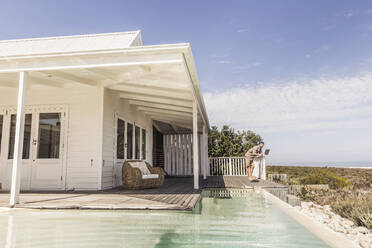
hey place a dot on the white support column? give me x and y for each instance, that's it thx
(195, 144)
(204, 149)
(140, 144)
(18, 143)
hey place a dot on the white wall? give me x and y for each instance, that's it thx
(84, 131)
(83, 127)
(111, 171)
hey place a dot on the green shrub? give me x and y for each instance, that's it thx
(350, 193)
(307, 194)
(358, 209)
(314, 179)
(324, 176)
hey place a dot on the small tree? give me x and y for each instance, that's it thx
(228, 143)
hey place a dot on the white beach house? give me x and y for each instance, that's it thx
(73, 108)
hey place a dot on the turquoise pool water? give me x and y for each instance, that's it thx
(234, 222)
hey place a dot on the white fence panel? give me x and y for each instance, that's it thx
(236, 166)
(178, 155)
(227, 166)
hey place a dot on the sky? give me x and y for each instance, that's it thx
(299, 73)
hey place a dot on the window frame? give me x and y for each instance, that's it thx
(116, 137)
(135, 124)
(30, 151)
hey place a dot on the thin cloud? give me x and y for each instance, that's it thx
(243, 30)
(247, 66)
(321, 49)
(223, 62)
(311, 105)
(349, 13)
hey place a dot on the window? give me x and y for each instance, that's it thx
(129, 141)
(143, 144)
(26, 136)
(137, 142)
(1, 129)
(49, 135)
(120, 139)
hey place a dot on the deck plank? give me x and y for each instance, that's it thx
(175, 194)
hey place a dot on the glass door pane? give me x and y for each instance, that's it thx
(26, 136)
(49, 135)
(129, 141)
(137, 144)
(143, 144)
(1, 129)
(120, 139)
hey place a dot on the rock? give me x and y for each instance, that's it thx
(365, 243)
(306, 204)
(339, 228)
(323, 214)
(352, 237)
(361, 229)
(327, 208)
(348, 223)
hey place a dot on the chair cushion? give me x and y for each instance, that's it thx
(142, 166)
(151, 176)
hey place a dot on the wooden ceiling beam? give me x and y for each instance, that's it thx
(162, 111)
(150, 86)
(156, 99)
(152, 92)
(160, 106)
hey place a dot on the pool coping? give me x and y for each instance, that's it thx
(329, 236)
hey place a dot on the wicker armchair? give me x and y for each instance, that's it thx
(133, 178)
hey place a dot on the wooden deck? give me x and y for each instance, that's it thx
(238, 182)
(175, 194)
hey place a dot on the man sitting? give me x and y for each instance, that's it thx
(250, 155)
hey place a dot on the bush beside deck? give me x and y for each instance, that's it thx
(349, 193)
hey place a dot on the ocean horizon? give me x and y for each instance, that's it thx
(352, 164)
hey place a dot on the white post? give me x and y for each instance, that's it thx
(204, 153)
(18, 143)
(140, 144)
(230, 168)
(195, 144)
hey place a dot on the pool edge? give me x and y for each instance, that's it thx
(330, 237)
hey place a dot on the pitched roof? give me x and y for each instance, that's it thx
(75, 43)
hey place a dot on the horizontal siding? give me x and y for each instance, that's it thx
(83, 116)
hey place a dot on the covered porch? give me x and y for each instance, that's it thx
(152, 84)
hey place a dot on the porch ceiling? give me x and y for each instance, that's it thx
(166, 128)
(160, 81)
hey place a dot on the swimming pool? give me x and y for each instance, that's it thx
(249, 221)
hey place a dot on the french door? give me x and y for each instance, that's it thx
(123, 146)
(43, 146)
(130, 143)
(48, 143)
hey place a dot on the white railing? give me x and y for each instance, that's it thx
(236, 166)
(227, 166)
